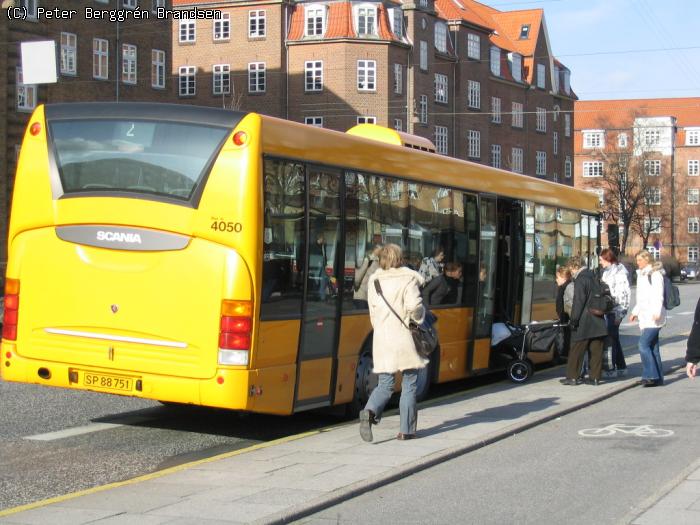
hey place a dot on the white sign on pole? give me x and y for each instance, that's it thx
(39, 62)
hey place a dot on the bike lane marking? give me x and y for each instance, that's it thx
(629, 430)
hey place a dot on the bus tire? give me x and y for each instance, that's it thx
(519, 370)
(365, 381)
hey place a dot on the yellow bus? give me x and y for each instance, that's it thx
(204, 256)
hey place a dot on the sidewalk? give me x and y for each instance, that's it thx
(291, 478)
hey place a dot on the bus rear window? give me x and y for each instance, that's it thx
(143, 157)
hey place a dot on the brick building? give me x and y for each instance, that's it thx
(662, 138)
(480, 83)
(98, 59)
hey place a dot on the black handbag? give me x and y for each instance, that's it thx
(424, 339)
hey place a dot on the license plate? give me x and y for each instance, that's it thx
(107, 382)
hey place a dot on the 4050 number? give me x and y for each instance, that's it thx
(223, 226)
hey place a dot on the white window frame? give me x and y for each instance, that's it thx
(692, 137)
(652, 137)
(257, 77)
(541, 120)
(653, 251)
(593, 168)
(441, 88)
(541, 76)
(693, 224)
(157, 68)
(693, 168)
(257, 23)
(314, 121)
(567, 124)
(593, 138)
(398, 124)
(187, 31)
(517, 115)
(622, 140)
(396, 19)
(495, 61)
(555, 143)
(423, 49)
(221, 28)
(313, 14)
(517, 160)
(69, 53)
(474, 94)
(441, 37)
(26, 93)
(517, 67)
(221, 79)
(100, 58)
(130, 4)
(496, 117)
(129, 64)
(567, 167)
(653, 196)
(398, 79)
(313, 76)
(366, 119)
(187, 81)
(366, 20)
(652, 168)
(655, 222)
(423, 109)
(441, 140)
(693, 252)
(496, 159)
(693, 196)
(541, 163)
(474, 144)
(366, 75)
(473, 46)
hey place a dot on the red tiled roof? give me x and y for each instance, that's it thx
(510, 24)
(461, 10)
(610, 114)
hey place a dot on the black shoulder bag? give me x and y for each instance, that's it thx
(424, 339)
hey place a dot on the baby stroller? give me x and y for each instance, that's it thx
(512, 343)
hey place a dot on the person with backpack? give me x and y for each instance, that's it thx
(588, 329)
(615, 275)
(650, 313)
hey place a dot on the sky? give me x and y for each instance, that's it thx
(618, 49)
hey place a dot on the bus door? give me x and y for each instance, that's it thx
(318, 342)
(509, 275)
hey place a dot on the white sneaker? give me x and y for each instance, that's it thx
(622, 372)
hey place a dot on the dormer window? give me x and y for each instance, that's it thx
(541, 76)
(516, 61)
(315, 20)
(366, 20)
(496, 61)
(524, 31)
(567, 85)
(397, 21)
(441, 37)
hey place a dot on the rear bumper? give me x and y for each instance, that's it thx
(235, 389)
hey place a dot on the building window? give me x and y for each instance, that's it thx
(541, 76)
(555, 143)
(495, 61)
(567, 168)
(187, 81)
(496, 155)
(30, 6)
(622, 140)
(423, 55)
(188, 31)
(441, 94)
(653, 196)
(26, 93)
(694, 168)
(474, 94)
(155, 4)
(256, 77)
(315, 20)
(314, 121)
(157, 68)
(693, 225)
(366, 20)
(593, 168)
(473, 46)
(694, 196)
(692, 137)
(130, 4)
(313, 75)
(366, 75)
(593, 139)
(495, 110)
(541, 163)
(517, 115)
(441, 139)
(517, 154)
(100, 58)
(652, 226)
(652, 168)
(396, 19)
(654, 252)
(524, 32)
(398, 124)
(256, 23)
(516, 67)
(567, 124)
(441, 37)
(423, 109)
(222, 27)
(541, 121)
(69, 48)
(366, 120)
(128, 64)
(693, 253)
(398, 79)
(473, 144)
(652, 137)
(222, 79)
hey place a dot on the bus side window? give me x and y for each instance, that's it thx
(283, 238)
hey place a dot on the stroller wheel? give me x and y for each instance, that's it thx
(519, 370)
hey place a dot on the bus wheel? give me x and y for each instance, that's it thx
(365, 381)
(519, 370)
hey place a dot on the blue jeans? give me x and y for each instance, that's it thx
(650, 354)
(407, 405)
(617, 359)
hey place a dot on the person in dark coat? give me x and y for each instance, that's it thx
(564, 302)
(692, 353)
(588, 331)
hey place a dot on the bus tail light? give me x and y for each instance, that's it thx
(235, 332)
(9, 322)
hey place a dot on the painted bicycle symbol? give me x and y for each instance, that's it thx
(634, 430)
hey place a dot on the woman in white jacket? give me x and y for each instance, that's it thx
(392, 345)
(616, 277)
(649, 310)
